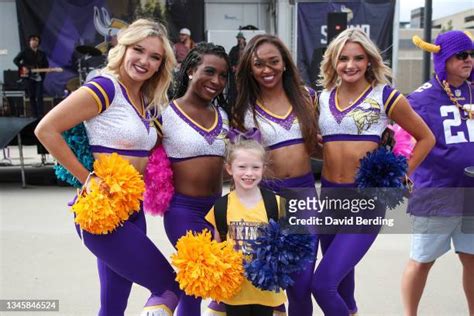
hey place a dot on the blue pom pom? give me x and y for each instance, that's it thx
(383, 171)
(77, 140)
(276, 254)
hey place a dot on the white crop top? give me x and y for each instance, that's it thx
(277, 131)
(183, 138)
(365, 120)
(119, 127)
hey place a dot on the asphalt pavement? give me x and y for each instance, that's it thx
(42, 257)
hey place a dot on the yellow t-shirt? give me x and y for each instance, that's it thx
(243, 224)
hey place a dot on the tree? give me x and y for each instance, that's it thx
(150, 9)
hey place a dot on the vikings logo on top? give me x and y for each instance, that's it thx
(241, 232)
(364, 119)
(366, 114)
(224, 130)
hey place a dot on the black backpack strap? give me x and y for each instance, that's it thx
(220, 211)
(220, 216)
(271, 205)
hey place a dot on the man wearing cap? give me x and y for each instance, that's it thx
(234, 57)
(185, 44)
(439, 211)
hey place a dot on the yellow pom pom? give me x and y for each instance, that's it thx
(469, 34)
(101, 212)
(432, 48)
(206, 268)
(232, 275)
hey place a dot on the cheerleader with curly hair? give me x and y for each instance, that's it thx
(192, 132)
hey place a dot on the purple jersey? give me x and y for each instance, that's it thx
(453, 151)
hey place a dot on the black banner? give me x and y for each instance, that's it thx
(65, 25)
(374, 17)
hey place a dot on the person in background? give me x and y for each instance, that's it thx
(234, 57)
(185, 44)
(30, 59)
(439, 214)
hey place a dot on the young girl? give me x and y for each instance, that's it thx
(245, 212)
(355, 107)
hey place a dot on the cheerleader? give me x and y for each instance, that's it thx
(271, 98)
(115, 108)
(192, 133)
(355, 107)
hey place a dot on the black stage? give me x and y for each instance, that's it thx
(19, 131)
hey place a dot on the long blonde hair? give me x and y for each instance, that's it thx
(154, 89)
(377, 72)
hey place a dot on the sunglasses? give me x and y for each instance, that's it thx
(464, 55)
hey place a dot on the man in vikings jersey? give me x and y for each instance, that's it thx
(439, 206)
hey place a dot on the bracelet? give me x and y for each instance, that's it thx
(84, 186)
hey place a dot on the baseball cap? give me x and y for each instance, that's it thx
(185, 31)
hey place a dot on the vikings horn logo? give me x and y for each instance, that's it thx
(366, 114)
(106, 26)
(350, 14)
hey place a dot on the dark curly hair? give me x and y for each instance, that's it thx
(193, 60)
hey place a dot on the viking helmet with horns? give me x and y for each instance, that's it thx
(446, 45)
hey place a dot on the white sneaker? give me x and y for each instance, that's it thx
(158, 310)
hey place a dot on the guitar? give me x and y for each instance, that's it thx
(25, 72)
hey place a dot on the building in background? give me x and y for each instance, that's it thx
(417, 18)
(224, 19)
(459, 21)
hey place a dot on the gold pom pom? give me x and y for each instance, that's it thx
(469, 34)
(206, 268)
(110, 203)
(432, 48)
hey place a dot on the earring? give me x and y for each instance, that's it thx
(284, 68)
(369, 65)
(190, 77)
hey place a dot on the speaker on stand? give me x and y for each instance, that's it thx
(337, 22)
